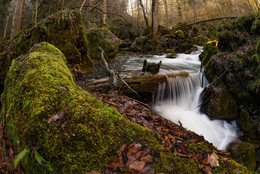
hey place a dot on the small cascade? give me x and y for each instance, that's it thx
(179, 90)
(178, 99)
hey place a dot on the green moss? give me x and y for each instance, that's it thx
(180, 34)
(209, 49)
(90, 132)
(168, 163)
(256, 26)
(103, 38)
(244, 153)
(185, 48)
(227, 165)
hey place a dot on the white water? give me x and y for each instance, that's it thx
(178, 99)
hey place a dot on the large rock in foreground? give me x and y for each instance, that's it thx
(46, 110)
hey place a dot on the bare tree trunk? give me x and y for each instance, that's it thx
(144, 14)
(179, 10)
(7, 18)
(82, 5)
(155, 24)
(257, 5)
(36, 11)
(105, 11)
(194, 10)
(17, 18)
(166, 13)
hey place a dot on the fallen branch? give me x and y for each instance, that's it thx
(112, 72)
(203, 21)
(124, 81)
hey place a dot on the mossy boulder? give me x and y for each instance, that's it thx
(219, 104)
(105, 39)
(38, 87)
(186, 48)
(63, 29)
(244, 153)
(209, 49)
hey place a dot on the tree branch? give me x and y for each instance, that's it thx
(102, 11)
(203, 21)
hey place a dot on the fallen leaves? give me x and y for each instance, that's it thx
(135, 158)
(7, 154)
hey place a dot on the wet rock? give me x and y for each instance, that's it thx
(185, 48)
(244, 153)
(153, 68)
(218, 103)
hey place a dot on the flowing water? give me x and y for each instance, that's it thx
(178, 99)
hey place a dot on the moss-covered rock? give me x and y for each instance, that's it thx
(103, 38)
(63, 29)
(185, 48)
(244, 153)
(209, 49)
(236, 69)
(40, 86)
(219, 104)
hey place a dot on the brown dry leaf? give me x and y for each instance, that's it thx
(213, 160)
(53, 119)
(137, 166)
(148, 170)
(147, 158)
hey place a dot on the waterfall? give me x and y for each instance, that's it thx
(178, 99)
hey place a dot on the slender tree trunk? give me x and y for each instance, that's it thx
(257, 5)
(166, 13)
(155, 23)
(36, 11)
(194, 10)
(17, 18)
(7, 18)
(179, 10)
(82, 5)
(144, 14)
(105, 11)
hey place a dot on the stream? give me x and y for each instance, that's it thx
(178, 99)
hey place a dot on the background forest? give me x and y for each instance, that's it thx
(131, 15)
